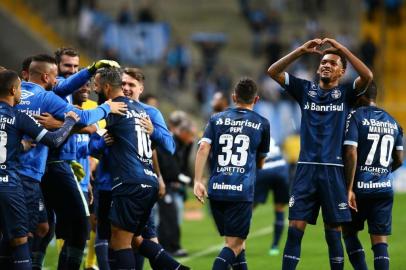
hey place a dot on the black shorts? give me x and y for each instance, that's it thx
(131, 206)
(63, 194)
(13, 213)
(275, 179)
(232, 218)
(35, 203)
(102, 209)
(376, 211)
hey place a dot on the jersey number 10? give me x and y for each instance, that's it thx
(387, 143)
(144, 142)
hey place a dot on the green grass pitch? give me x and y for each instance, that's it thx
(200, 238)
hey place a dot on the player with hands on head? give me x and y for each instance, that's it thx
(319, 180)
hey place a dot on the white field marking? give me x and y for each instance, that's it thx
(216, 248)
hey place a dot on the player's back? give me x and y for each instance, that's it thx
(378, 136)
(130, 157)
(236, 136)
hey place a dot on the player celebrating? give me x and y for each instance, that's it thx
(238, 140)
(13, 124)
(373, 149)
(135, 185)
(319, 179)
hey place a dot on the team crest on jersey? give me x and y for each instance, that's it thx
(343, 206)
(336, 94)
(26, 94)
(291, 201)
(312, 93)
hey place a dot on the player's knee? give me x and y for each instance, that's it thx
(377, 239)
(18, 241)
(42, 229)
(298, 224)
(137, 241)
(236, 244)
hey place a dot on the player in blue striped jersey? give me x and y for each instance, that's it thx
(373, 149)
(319, 180)
(237, 140)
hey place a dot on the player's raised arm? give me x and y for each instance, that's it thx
(277, 70)
(365, 74)
(397, 154)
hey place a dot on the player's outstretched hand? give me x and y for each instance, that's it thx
(117, 107)
(48, 121)
(311, 46)
(108, 139)
(200, 191)
(27, 144)
(102, 64)
(73, 115)
(146, 123)
(352, 203)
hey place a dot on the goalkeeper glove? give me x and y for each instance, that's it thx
(102, 64)
(78, 170)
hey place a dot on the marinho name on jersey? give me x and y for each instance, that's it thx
(237, 125)
(376, 126)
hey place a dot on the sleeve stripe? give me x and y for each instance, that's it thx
(41, 135)
(286, 79)
(351, 143)
(353, 84)
(400, 147)
(205, 140)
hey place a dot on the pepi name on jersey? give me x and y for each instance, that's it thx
(376, 126)
(237, 125)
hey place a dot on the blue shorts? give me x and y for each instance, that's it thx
(276, 179)
(376, 211)
(63, 194)
(149, 231)
(35, 203)
(13, 213)
(131, 206)
(102, 210)
(318, 186)
(232, 218)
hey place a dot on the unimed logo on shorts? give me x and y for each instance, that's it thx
(223, 186)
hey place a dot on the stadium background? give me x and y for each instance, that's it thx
(219, 41)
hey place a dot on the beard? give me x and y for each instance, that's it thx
(325, 80)
(101, 97)
(48, 86)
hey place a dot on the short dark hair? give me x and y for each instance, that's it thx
(341, 55)
(25, 65)
(110, 76)
(65, 51)
(135, 73)
(45, 58)
(246, 90)
(146, 97)
(372, 91)
(8, 79)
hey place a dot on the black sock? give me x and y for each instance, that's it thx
(157, 255)
(21, 257)
(124, 259)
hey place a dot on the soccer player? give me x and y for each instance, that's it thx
(13, 125)
(238, 140)
(35, 101)
(373, 149)
(319, 179)
(135, 185)
(274, 176)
